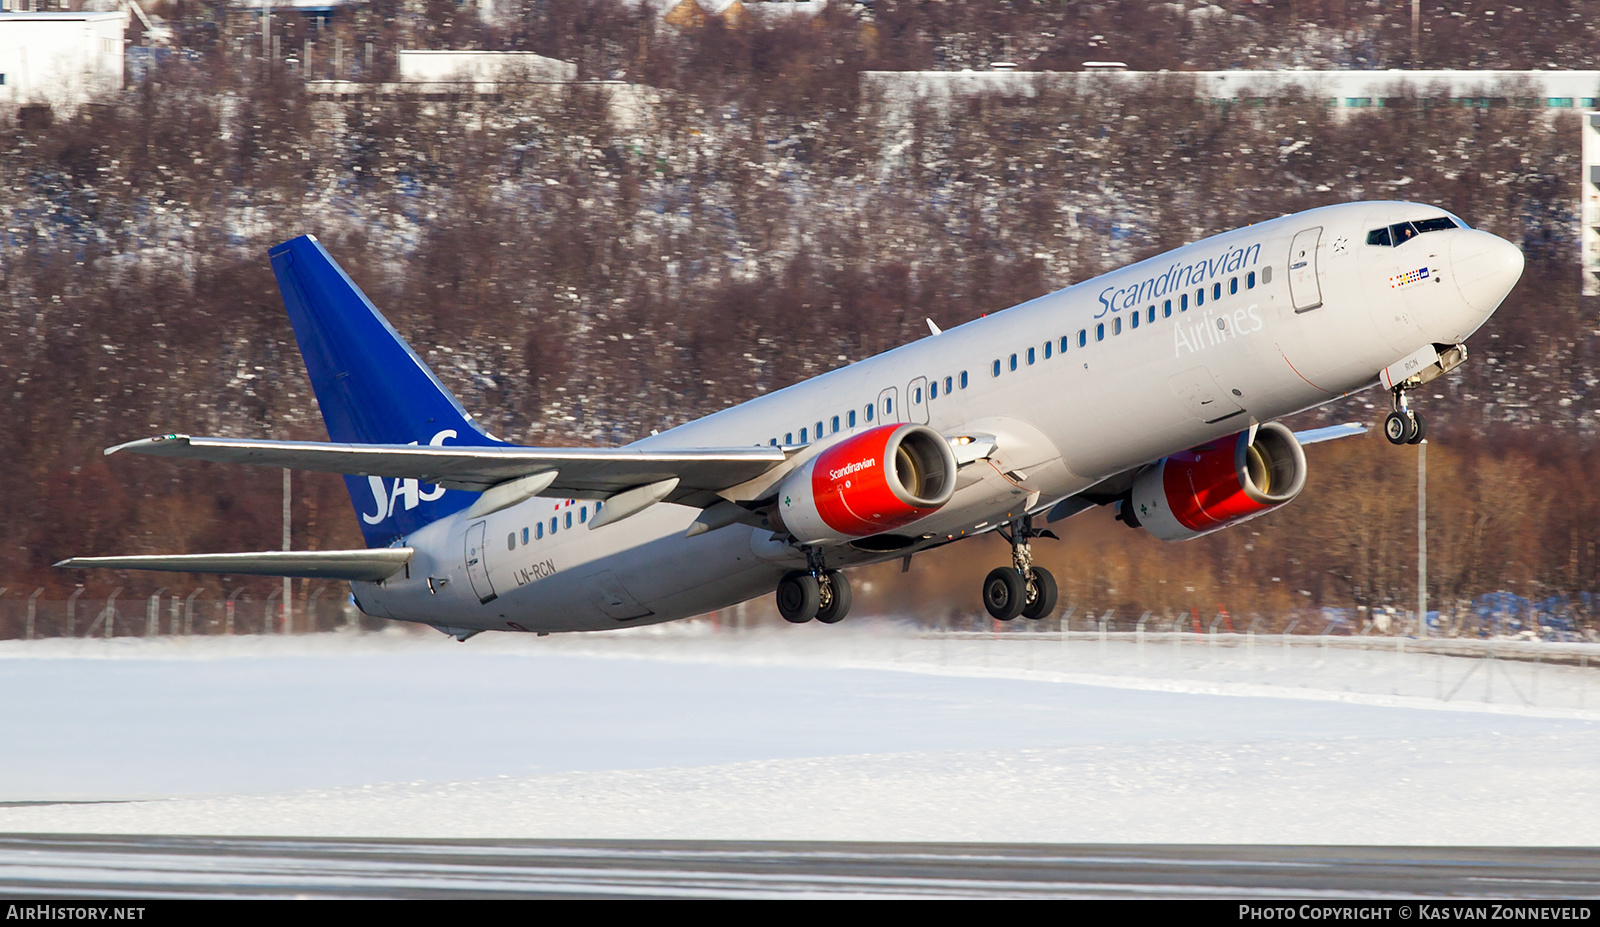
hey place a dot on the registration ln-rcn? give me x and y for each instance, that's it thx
(1155, 389)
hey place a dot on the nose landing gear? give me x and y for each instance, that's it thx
(1022, 588)
(1403, 426)
(817, 592)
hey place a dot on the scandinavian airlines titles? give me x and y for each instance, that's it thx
(1177, 277)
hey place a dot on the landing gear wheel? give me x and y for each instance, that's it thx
(1041, 595)
(839, 606)
(1419, 429)
(1004, 593)
(798, 597)
(1397, 427)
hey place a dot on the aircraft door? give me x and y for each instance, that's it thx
(1304, 290)
(478, 564)
(917, 401)
(888, 407)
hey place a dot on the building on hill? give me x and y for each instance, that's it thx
(433, 66)
(60, 60)
(1347, 91)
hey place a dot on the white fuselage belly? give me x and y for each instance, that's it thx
(1061, 423)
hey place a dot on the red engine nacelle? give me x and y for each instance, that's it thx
(1218, 484)
(874, 482)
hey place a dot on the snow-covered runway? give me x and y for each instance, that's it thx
(807, 733)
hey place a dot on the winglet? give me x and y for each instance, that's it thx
(146, 445)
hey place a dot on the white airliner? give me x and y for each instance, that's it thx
(1154, 388)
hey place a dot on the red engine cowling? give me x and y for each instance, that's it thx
(874, 482)
(1218, 484)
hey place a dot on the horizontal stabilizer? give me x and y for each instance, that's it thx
(1330, 433)
(370, 565)
(585, 472)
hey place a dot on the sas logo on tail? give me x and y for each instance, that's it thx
(387, 494)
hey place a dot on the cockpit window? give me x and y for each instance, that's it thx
(1402, 232)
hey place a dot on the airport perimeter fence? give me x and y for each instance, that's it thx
(1496, 615)
(110, 614)
(1515, 672)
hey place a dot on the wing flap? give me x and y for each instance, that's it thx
(584, 471)
(371, 565)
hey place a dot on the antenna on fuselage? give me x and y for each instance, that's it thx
(934, 328)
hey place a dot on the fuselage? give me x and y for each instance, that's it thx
(1072, 388)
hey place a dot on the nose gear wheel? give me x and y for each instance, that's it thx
(1404, 426)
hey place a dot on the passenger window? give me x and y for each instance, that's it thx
(1379, 237)
(997, 367)
(869, 413)
(1030, 357)
(888, 406)
(1199, 297)
(1048, 347)
(1216, 290)
(1063, 344)
(538, 531)
(1100, 332)
(1233, 285)
(836, 424)
(947, 384)
(773, 442)
(851, 419)
(524, 535)
(802, 436)
(1266, 274)
(933, 389)
(1116, 326)
(963, 379)
(1183, 303)
(1083, 337)
(1133, 320)
(583, 513)
(819, 431)
(552, 525)
(569, 518)
(511, 541)
(1152, 317)
(788, 437)
(1250, 280)
(1013, 362)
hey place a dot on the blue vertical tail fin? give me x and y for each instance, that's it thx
(372, 388)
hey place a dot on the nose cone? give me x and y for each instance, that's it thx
(1485, 267)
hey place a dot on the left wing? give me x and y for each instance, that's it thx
(701, 472)
(374, 565)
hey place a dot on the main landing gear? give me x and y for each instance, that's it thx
(816, 592)
(1022, 588)
(1403, 426)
